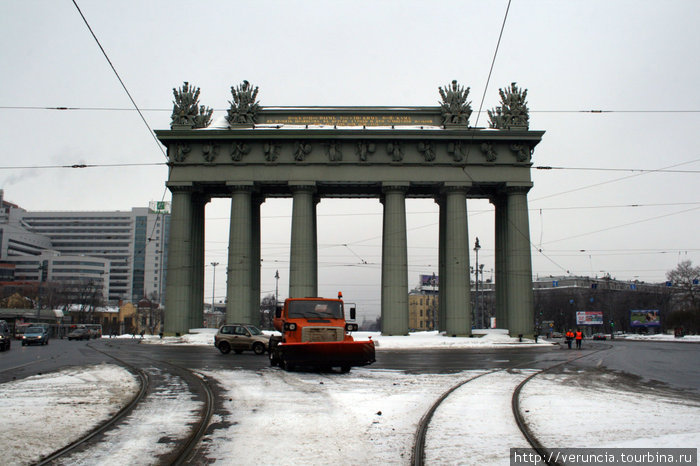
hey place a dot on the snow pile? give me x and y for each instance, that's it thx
(43, 413)
(663, 337)
(491, 339)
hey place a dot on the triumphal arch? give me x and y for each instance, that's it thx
(391, 153)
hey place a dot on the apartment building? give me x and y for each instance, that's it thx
(134, 242)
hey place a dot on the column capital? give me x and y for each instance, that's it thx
(453, 186)
(395, 186)
(180, 186)
(515, 188)
(295, 186)
(240, 185)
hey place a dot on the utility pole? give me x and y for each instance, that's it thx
(213, 286)
(477, 246)
(277, 281)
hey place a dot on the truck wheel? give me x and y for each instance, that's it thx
(224, 347)
(287, 366)
(258, 348)
(273, 360)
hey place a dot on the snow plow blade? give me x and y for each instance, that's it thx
(328, 354)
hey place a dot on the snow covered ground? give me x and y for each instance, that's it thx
(270, 416)
(43, 413)
(366, 416)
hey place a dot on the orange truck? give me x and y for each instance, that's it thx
(315, 334)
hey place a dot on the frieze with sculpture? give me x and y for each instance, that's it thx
(457, 150)
(239, 149)
(209, 152)
(487, 150)
(395, 151)
(334, 151)
(523, 152)
(364, 149)
(271, 150)
(301, 150)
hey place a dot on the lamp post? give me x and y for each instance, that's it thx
(213, 285)
(277, 281)
(477, 246)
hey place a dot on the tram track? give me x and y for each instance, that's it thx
(418, 451)
(185, 448)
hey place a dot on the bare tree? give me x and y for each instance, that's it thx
(684, 279)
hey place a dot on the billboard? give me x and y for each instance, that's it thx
(159, 207)
(589, 318)
(432, 281)
(645, 318)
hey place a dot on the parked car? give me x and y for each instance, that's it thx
(600, 336)
(5, 336)
(241, 337)
(35, 335)
(79, 334)
(557, 335)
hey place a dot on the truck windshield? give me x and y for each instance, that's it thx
(318, 309)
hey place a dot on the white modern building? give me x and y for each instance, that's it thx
(134, 243)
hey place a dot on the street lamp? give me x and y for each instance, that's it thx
(213, 285)
(277, 281)
(477, 246)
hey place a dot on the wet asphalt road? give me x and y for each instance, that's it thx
(674, 364)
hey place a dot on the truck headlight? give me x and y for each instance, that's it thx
(351, 327)
(290, 326)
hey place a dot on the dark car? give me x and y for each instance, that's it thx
(79, 334)
(35, 335)
(5, 336)
(241, 337)
(600, 336)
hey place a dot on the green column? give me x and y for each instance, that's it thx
(457, 306)
(255, 263)
(394, 261)
(501, 225)
(441, 263)
(303, 272)
(178, 287)
(240, 254)
(519, 296)
(196, 308)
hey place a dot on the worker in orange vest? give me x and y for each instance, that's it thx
(569, 337)
(579, 338)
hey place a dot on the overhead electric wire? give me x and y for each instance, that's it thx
(641, 170)
(121, 81)
(83, 165)
(614, 180)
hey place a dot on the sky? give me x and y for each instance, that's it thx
(624, 199)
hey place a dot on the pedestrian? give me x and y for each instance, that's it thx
(579, 338)
(569, 337)
(142, 333)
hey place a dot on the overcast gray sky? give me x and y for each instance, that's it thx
(636, 59)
